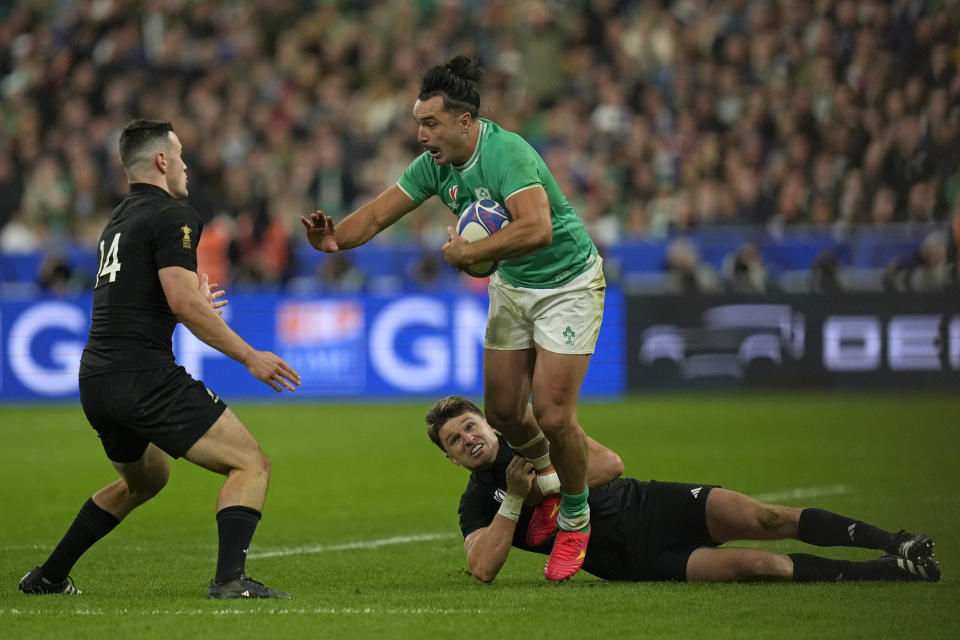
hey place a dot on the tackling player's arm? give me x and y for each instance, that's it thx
(194, 308)
(361, 225)
(530, 228)
(487, 548)
(604, 465)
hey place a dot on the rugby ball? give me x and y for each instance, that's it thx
(479, 220)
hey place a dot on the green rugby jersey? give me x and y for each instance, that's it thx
(502, 164)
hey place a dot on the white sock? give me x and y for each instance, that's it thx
(575, 523)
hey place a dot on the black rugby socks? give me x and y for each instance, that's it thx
(236, 525)
(828, 529)
(91, 524)
(809, 568)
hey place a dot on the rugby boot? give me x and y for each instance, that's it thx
(915, 548)
(926, 570)
(568, 553)
(543, 522)
(34, 583)
(243, 587)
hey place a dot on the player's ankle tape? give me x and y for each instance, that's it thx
(540, 463)
(529, 443)
(510, 507)
(548, 483)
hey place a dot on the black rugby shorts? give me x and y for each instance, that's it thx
(676, 517)
(130, 409)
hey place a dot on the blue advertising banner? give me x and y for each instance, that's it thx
(344, 347)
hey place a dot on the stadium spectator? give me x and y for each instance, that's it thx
(337, 273)
(648, 531)
(825, 273)
(883, 207)
(779, 101)
(58, 277)
(11, 189)
(686, 273)
(934, 272)
(744, 272)
(921, 209)
(426, 271)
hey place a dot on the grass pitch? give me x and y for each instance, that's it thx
(361, 526)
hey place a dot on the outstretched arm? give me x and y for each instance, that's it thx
(193, 306)
(212, 295)
(361, 225)
(487, 548)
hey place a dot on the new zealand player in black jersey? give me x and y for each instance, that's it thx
(143, 405)
(645, 531)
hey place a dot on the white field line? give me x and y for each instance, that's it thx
(770, 496)
(368, 544)
(802, 492)
(242, 612)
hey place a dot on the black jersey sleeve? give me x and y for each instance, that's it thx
(477, 507)
(176, 233)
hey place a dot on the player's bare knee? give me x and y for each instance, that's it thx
(555, 425)
(158, 481)
(147, 486)
(253, 460)
(501, 418)
(262, 463)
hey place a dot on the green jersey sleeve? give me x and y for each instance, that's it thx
(419, 180)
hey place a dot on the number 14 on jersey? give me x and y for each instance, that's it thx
(109, 261)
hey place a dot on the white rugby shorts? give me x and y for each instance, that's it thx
(565, 319)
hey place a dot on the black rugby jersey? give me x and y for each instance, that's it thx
(618, 531)
(132, 326)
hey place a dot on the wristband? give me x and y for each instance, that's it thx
(510, 508)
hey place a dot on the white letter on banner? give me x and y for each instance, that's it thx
(469, 328)
(851, 343)
(914, 343)
(433, 352)
(954, 333)
(64, 353)
(191, 350)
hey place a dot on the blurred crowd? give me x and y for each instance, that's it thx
(656, 117)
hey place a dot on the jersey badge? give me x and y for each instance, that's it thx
(569, 334)
(499, 495)
(483, 193)
(187, 243)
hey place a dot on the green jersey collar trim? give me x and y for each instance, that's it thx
(476, 151)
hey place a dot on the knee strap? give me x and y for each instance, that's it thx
(529, 443)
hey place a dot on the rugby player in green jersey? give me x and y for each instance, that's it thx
(546, 299)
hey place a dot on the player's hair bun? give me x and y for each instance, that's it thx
(465, 68)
